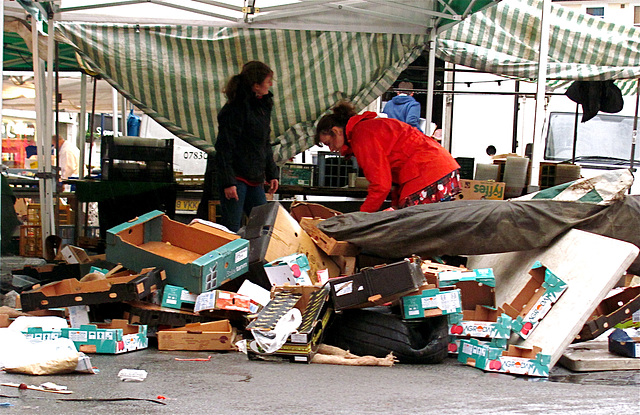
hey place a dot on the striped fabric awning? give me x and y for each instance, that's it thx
(176, 74)
(505, 40)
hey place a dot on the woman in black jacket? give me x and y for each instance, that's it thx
(244, 159)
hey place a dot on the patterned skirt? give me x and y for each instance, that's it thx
(441, 191)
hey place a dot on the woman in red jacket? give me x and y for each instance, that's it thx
(391, 153)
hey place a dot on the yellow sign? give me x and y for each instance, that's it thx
(185, 204)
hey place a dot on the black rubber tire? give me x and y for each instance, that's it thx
(376, 332)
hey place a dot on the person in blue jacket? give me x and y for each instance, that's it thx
(244, 158)
(404, 106)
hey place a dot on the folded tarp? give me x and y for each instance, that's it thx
(479, 227)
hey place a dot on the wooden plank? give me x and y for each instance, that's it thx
(594, 356)
(589, 264)
(328, 244)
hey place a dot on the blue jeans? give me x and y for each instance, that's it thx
(232, 210)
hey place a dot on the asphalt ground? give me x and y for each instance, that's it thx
(230, 383)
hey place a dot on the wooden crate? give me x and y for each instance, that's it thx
(31, 241)
(325, 242)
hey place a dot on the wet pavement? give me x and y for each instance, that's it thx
(229, 383)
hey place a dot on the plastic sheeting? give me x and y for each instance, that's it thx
(481, 227)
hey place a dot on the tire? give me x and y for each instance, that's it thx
(376, 332)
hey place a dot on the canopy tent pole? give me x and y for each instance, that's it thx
(575, 135)
(539, 120)
(114, 118)
(431, 76)
(634, 135)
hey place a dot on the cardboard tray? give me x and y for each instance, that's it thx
(155, 316)
(378, 285)
(119, 287)
(198, 258)
(111, 338)
(611, 311)
(213, 335)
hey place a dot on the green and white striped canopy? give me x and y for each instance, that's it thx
(176, 74)
(504, 39)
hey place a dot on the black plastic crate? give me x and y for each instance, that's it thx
(466, 167)
(333, 169)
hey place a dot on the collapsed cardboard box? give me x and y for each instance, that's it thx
(219, 300)
(535, 300)
(377, 285)
(432, 271)
(113, 338)
(197, 257)
(515, 360)
(273, 233)
(157, 318)
(616, 308)
(120, 286)
(214, 335)
(25, 278)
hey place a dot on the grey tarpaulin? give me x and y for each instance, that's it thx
(479, 227)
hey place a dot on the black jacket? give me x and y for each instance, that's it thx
(243, 148)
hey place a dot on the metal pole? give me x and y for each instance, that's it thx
(539, 120)
(634, 135)
(516, 108)
(575, 135)
(431, 76)
(1, 77)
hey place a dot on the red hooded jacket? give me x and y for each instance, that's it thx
(392, 152)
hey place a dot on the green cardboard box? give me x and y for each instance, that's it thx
(431, 302)
(197, 257)
(515, 360)
(535, 300)
(116, 337)
(175, 297)
(482, 322)
(482, 275)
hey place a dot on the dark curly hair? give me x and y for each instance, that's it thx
(342, 112)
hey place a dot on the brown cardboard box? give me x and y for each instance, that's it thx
(213, 335)
(481, 189)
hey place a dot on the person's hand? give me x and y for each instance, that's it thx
(231, 192)
(273, 186)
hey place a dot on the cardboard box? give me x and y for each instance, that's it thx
(197, 257)
(56, 272)
(431, 302)
(116, 337)
(481, 189)
(177, 297)
(222, 300)
(432, 270)
(156, 317)
(515, 360)
(273, 233)
(74, 255)
(455, 342)
(482, 322)
(37, 333)
(534, 300)
(377, 285)
(292, 270)
(625, 342)
(301, 210)
(328, 244)
(214, 335)
(619, 306)
(121, 286)
(481, 275)
(292, 174)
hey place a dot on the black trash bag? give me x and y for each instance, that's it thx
(595, 96)
(376, 332)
